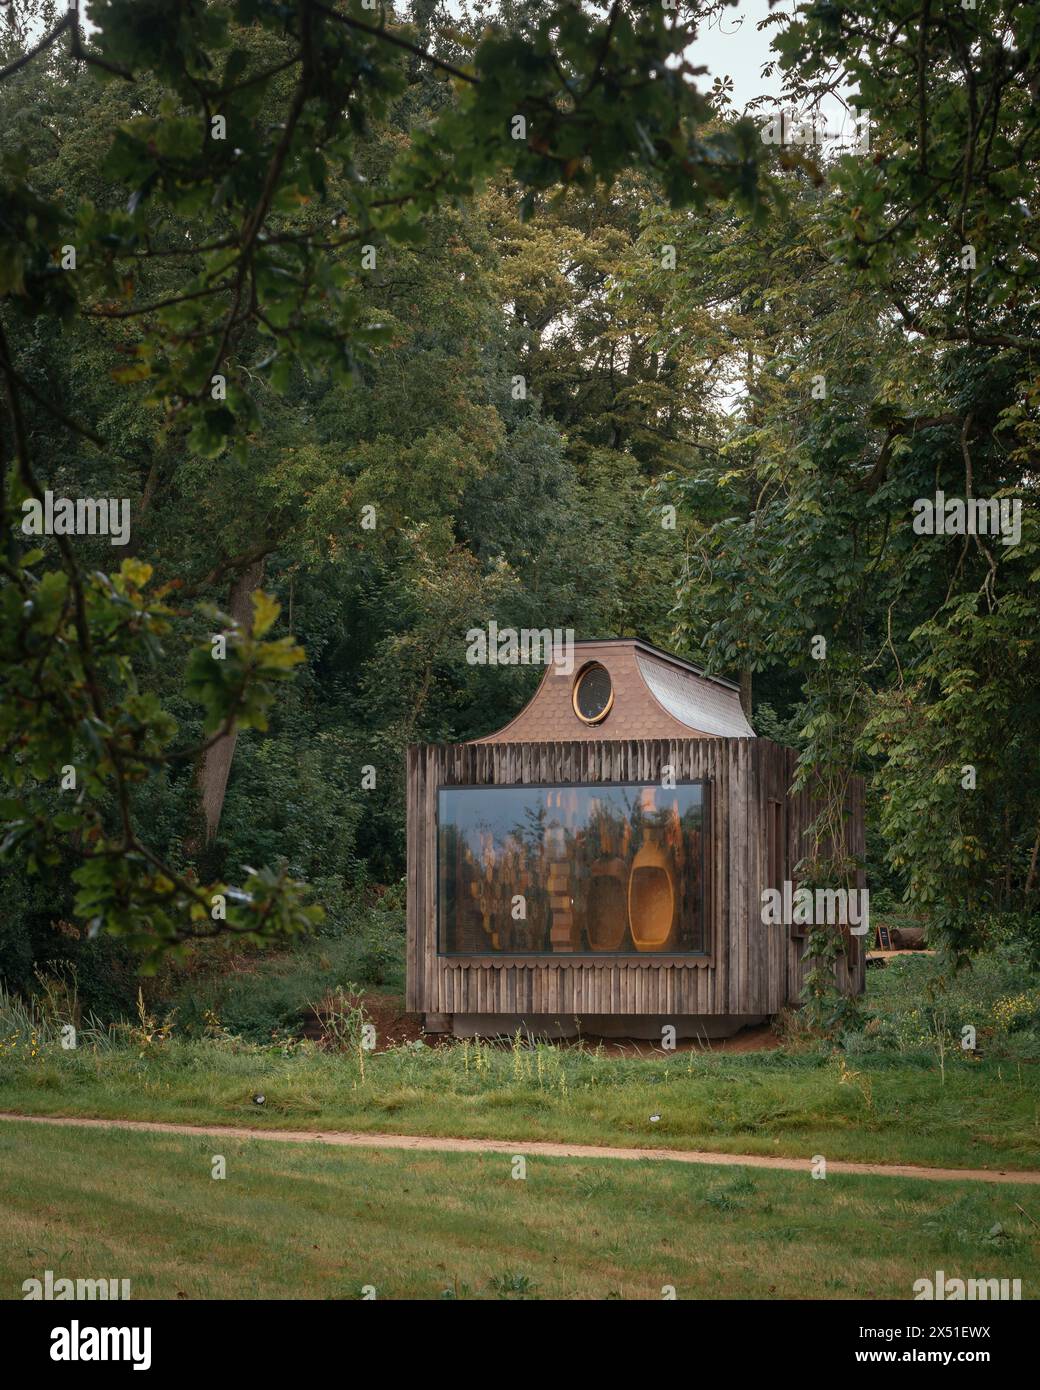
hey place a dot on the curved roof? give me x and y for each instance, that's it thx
(656, 695)
(693, 698)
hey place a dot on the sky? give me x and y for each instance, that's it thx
(734, 46)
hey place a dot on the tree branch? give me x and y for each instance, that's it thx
(68, 22)
(387, 37)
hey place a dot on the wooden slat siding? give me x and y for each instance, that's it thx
(790, 758)
(707, 765)
(413, 906)
(758, 942)
(758, 810)
(748, 972)
(756, 813)
(412, 988)
(427, 797)
(735, 811)
(797, 821)
(745, 856)
(720, 841)
(770, 935)
(777, 791)
(785, 764)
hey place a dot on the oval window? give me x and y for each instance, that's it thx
(593, 695)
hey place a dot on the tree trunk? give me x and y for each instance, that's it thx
(215, 764)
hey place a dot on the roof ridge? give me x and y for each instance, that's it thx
(659, 651)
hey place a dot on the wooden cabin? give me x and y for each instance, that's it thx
(597, 866)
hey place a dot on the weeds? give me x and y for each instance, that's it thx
(58, 997)
(148, 1035)
(344, 1025)
(512, 1284)
(21, 1023)
(848, 1077)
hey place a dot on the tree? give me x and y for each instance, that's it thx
(879, 327)
(241, 253)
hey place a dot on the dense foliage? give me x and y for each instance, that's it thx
(387, 329)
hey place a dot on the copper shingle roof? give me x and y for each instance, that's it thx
(656, 695)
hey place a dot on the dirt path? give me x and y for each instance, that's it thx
(425, 1144)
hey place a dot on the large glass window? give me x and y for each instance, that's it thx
(571, 870)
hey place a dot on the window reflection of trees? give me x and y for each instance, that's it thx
(550, 874)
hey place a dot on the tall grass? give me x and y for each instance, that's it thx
(22, 1022)
(891, 1108)
(895, 1092)
(50, 1018)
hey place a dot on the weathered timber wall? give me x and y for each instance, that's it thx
(749, 968)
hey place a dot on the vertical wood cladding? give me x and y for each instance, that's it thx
(749, 968)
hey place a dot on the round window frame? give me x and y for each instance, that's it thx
(585, 670)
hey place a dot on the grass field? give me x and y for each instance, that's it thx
(292, 1221)
(887, 1096)
(885, 1109)
(302, 1221)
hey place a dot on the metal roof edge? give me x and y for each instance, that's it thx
(658, 651)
